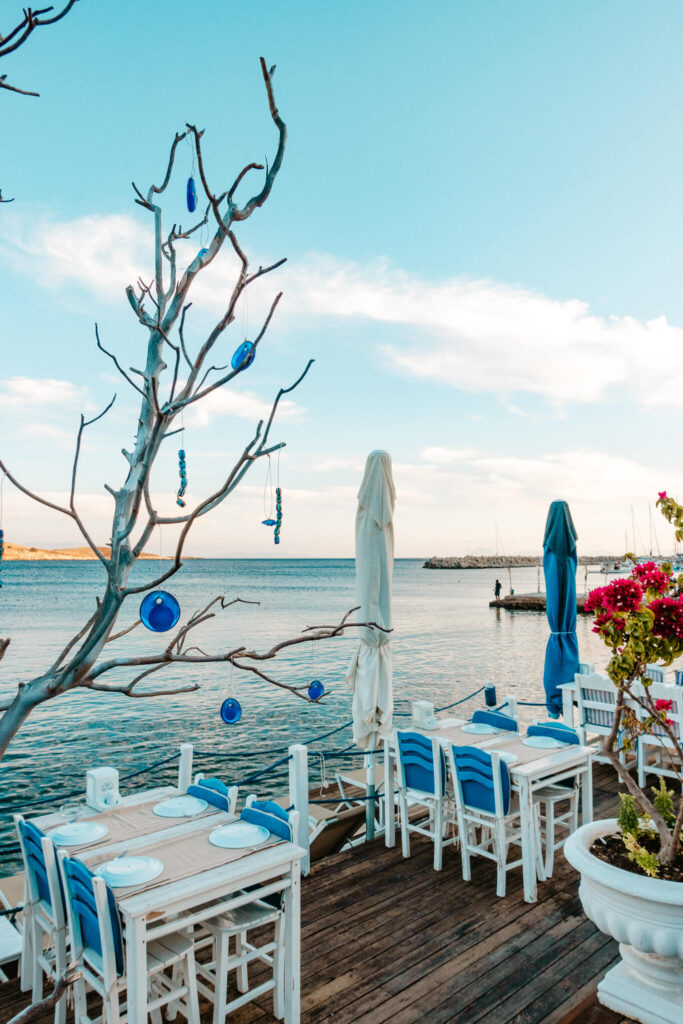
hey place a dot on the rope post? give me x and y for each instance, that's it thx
(370, 785)
(185, 767)
(511, 703)
(298, 798)
(568, 694)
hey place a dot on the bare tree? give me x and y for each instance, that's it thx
(165, 392)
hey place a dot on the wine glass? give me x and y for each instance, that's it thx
(71, 810)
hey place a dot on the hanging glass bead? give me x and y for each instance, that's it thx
(268, 522)
(159, 611)
(315, 690)
(183, 478)
(231, 711)
(278, 514)
(191, 195)
(243, 356)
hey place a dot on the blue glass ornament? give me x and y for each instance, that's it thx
(231, 711)
(316, 690)
(183, 478)
(159, 611)
(243, 356)
(202, 252)
(268, 522)
(191, 195)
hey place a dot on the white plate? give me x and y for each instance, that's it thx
(506, 756)
(542, 742)
(78, 833)
(480, 728)
(180, 807)
(123, 871)
(238, 834)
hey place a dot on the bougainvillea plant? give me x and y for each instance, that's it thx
(640, 619)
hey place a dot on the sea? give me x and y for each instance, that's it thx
(447, 643)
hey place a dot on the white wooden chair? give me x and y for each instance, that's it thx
(215, 792)
(97, 947)
(656, 673)
(550, 798)
(484, 802)
(44, 934)
(597, 698)
(10, 938)
(235, 925)
(658, 743)
(422, 781)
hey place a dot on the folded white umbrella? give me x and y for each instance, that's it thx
(370, 672)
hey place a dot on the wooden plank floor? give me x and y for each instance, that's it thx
(390, 940)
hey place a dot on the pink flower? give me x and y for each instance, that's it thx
(652, 577)
(668, 612)
(664, 705)
(622, 595)
(662, 495)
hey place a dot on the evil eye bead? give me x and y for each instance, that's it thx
(315, 690)
(243, 356)
(191, 195)
(159, 611)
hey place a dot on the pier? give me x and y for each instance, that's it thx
(531, 603)
(390, 940)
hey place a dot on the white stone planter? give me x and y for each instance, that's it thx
(645, 915)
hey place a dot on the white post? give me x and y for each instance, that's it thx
(511, 705)
(298, 797)
(370, 787)
(185, 767)
(568, 691)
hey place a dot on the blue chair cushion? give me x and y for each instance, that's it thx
(32, 838)
(270, 807)
(211, 795)
(474, 769)
(417, 761)
(495, 718)
(216, 784)
(273, 822)
(82, 896)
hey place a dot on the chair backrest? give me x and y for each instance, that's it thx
(556, 731)
(497, 719)
(482, 780)
(596, 698)
(422, 764)
(668, 692)
(270, 815)
(214, 792)
(655, 673)
(44, 880)
(93, 917)
(586, 668)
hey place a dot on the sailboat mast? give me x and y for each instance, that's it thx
(633, 529)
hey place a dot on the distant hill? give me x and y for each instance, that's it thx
(18, 553)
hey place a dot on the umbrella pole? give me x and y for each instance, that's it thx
(370, 802)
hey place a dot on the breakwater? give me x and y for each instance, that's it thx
(532, 603)
(504, 561)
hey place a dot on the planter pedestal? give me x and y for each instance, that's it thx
(645, 915)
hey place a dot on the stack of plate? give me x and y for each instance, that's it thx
(542, 742)
(480, 728)
(123, 871)
(78, 833)
(238, 835)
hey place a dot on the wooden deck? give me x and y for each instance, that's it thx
(390, 940)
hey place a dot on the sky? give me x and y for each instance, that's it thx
(480, 205)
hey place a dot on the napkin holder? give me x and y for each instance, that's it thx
(423, 715)
(102, 788)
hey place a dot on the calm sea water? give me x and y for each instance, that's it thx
(447, 642)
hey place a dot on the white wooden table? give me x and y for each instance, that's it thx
(166, 908)
(547, 768)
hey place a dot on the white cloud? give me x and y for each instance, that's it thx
(483, 336)
(445, 455)
(18, 392)
(240, 404)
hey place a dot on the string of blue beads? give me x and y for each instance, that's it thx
(183, 478)
(278, 514)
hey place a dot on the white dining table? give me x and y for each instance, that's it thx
(161, 909)
(548, 768)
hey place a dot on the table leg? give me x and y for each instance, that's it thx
(526, 807)
(389, 805)
(136, 967)
(587, 793)
(293, 946)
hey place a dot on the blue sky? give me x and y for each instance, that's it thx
(480, 204)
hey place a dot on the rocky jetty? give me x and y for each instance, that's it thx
(531, 603)
(503, 561)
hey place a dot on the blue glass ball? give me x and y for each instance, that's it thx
(231, 711)
(159, 611)
(243, 356)
(191, 195)
(268, 522)
(316, 690)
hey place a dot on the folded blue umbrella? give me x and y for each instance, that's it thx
(559, 569)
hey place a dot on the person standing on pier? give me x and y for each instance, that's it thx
(497, 589)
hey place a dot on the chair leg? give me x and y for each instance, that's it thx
(26, 967)
(500, 847)
(279, 969)
(549, 807)
(438, 835)
(176, 981)
(37, 973)
(80, 1007)
(640, 757)
(60, 970)
(222, 949)
(464, 830)
(405, 838)
(192, 993)
(242, 970)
